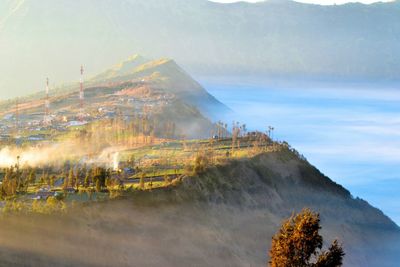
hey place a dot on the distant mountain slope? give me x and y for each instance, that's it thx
(124, 68)
(278, 38)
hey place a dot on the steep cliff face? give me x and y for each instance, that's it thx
(279, 183)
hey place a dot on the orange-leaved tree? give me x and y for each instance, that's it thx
(298, 244)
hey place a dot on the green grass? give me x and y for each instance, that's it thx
(149, 173)
(171, 158)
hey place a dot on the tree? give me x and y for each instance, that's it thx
(298, 244)
(167, 179)
(32, 177)
(22, 181)
(131, 161)
(331, 258)
(65, 183)
(86, 183)
(47, 178)
(77, 182)
(43, 178)
(8, 188)
(142, 181)
(99, 177)
(109, 183)
(71, 178)
(53, 180)
(98, 185)
(201, 163)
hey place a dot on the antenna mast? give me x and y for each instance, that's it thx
(81, 97)
(47, 105)
(16, 117)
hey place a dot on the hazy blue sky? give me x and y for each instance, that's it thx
(322, 2)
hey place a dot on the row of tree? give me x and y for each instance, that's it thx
(125, 130)
(16, 181)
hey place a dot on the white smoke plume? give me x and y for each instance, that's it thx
(56, 154)
(36, 156)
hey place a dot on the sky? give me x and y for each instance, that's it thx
(320, 2)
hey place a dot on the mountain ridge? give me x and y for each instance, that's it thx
(167, 75)
(269, 39)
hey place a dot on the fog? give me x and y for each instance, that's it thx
(128, 232)
(124, 234)
(350, 131)
(351, 134)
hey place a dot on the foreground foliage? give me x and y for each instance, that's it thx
(298, 244)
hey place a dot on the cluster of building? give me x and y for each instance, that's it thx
(36, 126)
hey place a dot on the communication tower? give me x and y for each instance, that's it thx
(81, 97)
